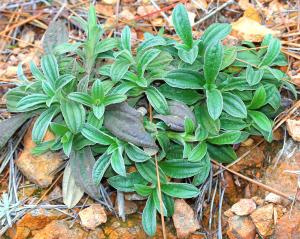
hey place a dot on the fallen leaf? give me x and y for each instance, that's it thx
(248, 29)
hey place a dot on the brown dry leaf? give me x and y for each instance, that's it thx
(250, 30)
(253, 14)
(244, 4)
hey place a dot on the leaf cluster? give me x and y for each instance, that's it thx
(205, 97)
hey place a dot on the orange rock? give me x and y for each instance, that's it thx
(60, 230)
(244, 207)
(184, 219)
(93, 216)
(34, 220)
(38, 168)
(288, 226)
(241, 228)
(231, 193)
(263, 220)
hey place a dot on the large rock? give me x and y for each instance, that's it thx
(184, 219)
(288, 226)
(240, 228)
(34, 220)
(263, 220)
(62, 230)
(38, 168)
(93, 216)
(244, 207)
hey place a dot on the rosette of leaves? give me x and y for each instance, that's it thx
(206, 97)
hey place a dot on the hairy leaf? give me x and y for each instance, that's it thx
(126, 123)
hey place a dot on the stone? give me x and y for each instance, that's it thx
(93, 216)
(244, 207)
(60, 230)
(273, 198)
(288, 226)
(240, 228)
(293, 127)
(184, 219)
(38, 168)
(228, 213)
(34, 220)
(263, 219)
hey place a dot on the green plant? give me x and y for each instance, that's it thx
(206, 97)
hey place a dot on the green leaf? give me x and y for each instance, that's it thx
(117, 162)
(118, 70)
(126, 184)
(152, 42)
(143, 190)
(180, 168)
(188, 56)
(74, 115)
(212, 62)
(233, 105)
(34, 100)
(186, 96)
(261, 120)
(222, 154)
(50, 67)
(214, 33)
(66, 47)
(156, 199)
(184, 79)
(157, 100)
(81, 98)
(42, 123)
(189, 126)
(96, 135)
(98, 90)
(180, 190)
(259, 98)
(182, 25)
(136, 154)
(145, 59)
(148, 171)
(226, 138)
(98, 111)
(149, 217)
(253, 77)
(272, 52)
(106, 45)
(114, 99)
(58, 129)
(198, 153)
(207, 123)
(203, 174)
(214, 103)
(63, 81)
(37, 74)
(126, 39)
(229, 56)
